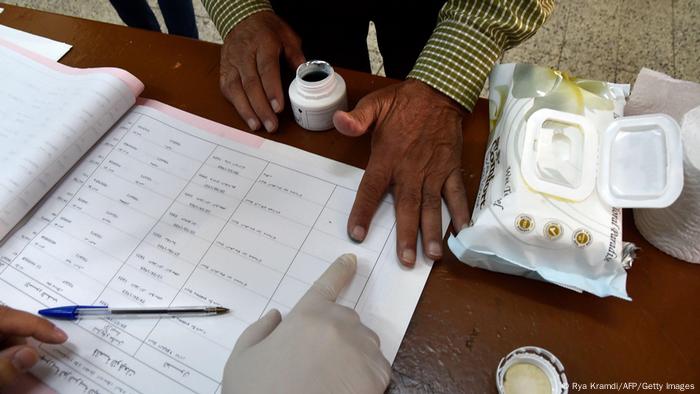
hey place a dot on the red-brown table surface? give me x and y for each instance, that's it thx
(467, 318)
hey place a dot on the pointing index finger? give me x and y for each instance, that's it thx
(336, 278)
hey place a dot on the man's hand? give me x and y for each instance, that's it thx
(16, 356)
(250, 67)
(320, 347)
(417, 149)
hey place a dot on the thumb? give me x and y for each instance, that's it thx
(258, 331)
(336, 278)
(14, 361)
(357, 121)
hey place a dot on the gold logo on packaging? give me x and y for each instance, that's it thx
(553, 231)
(582, 238)
(524, 223)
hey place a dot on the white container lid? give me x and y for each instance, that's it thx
(534, 356)
(641, 162)
(559, 154)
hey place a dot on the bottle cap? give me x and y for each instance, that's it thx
(532, 370)
(316, 94)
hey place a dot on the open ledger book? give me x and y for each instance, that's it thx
(106, 202)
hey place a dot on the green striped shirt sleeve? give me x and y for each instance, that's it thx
(228, 13)
(469, 37)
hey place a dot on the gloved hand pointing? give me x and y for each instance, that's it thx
(320, 347)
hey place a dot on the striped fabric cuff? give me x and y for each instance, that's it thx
(228, 13)
(456, 61)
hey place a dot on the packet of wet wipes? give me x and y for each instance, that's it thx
(539, 213)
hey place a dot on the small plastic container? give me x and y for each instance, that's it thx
(315, 94)
(542, 362)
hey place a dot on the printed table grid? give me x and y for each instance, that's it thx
(274, 189)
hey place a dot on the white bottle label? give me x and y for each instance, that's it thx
(317, 119)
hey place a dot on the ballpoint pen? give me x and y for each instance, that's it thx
(74, 312)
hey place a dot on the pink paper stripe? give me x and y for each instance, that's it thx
(210, 126)
(131, 81)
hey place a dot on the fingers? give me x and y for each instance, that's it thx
(233, 91)
(382, 370)
(379, 368)
(431, 219)
(374, 367)
(269, 69)
(456, 198)
(408, 205)
(371, 335)
(346, 123)
(258, 331)
(357, 121)
(336, 278)
(293, 53)
(373, 186)
(23, 324)
(252, 85)
(14, 361)
(377, 177)
(13, 341)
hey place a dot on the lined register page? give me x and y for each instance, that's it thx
(173, 210)
(51, 116)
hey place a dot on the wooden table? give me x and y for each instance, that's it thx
(467, 318)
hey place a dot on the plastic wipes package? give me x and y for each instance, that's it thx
(560, 164)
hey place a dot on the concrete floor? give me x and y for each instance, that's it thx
(600, 39)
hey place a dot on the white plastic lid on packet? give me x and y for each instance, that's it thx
(641, 162)
(638, 162)
(559, 154)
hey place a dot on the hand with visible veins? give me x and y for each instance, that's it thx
(417, 152)
(16, 356)
(250, 67)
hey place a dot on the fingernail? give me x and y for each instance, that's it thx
(269, 126)
(358, 233)
(24, 359)
(253, 124)
(408, 256)
(348, 259)
(275, 105)
(434, 249)
(59, 335)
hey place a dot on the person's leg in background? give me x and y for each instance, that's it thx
(330, 32)
(136, 13)
(403, 28)
(179, 17)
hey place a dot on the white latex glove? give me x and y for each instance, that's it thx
(320, 347)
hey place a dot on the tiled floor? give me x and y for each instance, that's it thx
(613, 39)
(601, 39)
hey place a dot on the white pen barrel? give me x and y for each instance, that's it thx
(151, 312)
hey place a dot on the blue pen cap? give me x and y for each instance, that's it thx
(67, 312)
